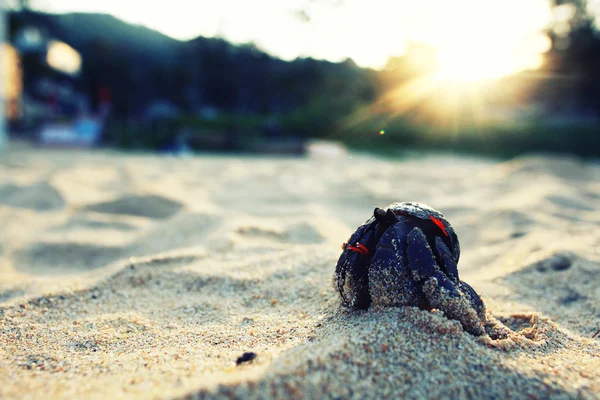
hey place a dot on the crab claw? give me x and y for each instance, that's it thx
(352, 271)
(440, 283)
(351, 275)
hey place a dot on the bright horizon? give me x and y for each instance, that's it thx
(475, 39)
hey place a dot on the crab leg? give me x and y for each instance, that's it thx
(390, 282)
(451, 270)
(448, 263)
(439, 290)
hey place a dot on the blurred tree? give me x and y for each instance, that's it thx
(17, 5)
(575, 55)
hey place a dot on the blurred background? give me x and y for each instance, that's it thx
(269, 76)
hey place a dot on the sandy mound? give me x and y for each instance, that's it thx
(359, 356)
(88, 223)
(6, 295)
(38, 197)
(157, 207)
(562, 286)
(148, 297)
(302, 233)
(56, 258)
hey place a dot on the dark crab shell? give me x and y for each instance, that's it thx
(426, 213)
(407, 255)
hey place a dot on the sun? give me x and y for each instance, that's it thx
(465, 66)
(458, 71)
(475, 62)
(482, 40)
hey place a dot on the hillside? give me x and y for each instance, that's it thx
(141, 65)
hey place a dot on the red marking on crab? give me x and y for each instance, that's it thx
(359, 248)
(439, 223)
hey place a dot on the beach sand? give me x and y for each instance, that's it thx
(140, 276)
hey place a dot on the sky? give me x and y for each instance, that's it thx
(489, 35)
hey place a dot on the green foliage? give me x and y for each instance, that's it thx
(497, 140)
(201, 134)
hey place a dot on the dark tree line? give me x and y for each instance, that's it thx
(140, 65)
(571, 67)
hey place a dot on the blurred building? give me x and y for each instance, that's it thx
(12, 84)
(3, 79)
(50, 71)
(46, 99)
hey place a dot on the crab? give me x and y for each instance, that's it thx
(407, 255)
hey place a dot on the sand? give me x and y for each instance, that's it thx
(141, 276)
